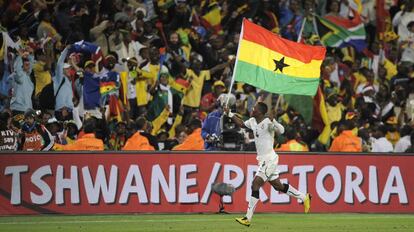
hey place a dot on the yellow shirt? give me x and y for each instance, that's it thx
(43, 78)
(334, 112)
(391, 69)
(193, 95)
(359, 79)
(150, 73)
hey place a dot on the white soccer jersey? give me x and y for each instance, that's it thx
(264, 136)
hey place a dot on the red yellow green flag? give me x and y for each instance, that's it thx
(277, 65)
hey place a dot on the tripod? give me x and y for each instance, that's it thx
(221, 206)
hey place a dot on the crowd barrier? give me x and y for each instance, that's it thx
(112, 183)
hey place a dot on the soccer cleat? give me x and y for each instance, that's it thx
(307, 202)
(243, 221)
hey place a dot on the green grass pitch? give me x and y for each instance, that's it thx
(212, 222)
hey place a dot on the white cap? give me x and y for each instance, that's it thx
(52, 120)
(368, 99)
(142, 9)
(368, 88)
(66, 65)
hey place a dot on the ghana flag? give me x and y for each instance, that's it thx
(277, 65)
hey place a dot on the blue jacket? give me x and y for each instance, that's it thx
(65, 95)
(22, 86)
(211, 125)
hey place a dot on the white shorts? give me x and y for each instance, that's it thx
(268, 170)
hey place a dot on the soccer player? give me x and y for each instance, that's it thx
(263, 129)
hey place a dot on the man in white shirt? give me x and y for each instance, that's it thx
(405, 141)
(379, 142)
(264, 129)
(401, 20)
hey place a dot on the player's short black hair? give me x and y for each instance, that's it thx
(89, 126)
(262, 107)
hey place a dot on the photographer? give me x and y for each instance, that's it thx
(35, 136)
(211, 129)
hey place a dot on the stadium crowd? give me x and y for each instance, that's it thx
(150, 75)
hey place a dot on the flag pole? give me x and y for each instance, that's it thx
(315, 27)
(301, 29)
(235, 65)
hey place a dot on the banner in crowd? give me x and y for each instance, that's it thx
(181, 182)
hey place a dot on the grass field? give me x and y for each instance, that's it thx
(212, 222)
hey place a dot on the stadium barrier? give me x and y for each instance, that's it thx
(112, 183)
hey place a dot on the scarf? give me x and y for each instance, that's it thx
(170, 99)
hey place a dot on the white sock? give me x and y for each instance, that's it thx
(295, 193)
(251, 207)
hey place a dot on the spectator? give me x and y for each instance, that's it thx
(23, 87)
(334, 108)
(132, 65)
(8, 138)
(46, 29)
(292, 144)
(118, 138)
(139, 142)
(103, 35)
(70, 132)
(62, 19)
(197, 77)
(290, 19)
(393, 134)
(379, 142)
(55, 129)
(35, 136)
(194, 141)
(41, 70)
(162, 97)
(126, 49)
(403, 76)
(405, 141)
(178, 137)
(147, 77)
(411, 148)
(208, 100)
(401, 20)
(62, 86)
(88, 141)
(346, 141)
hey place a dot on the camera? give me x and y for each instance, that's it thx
(232, 138)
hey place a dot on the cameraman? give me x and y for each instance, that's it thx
(211, 129)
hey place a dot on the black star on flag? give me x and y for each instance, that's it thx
(280, 64)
